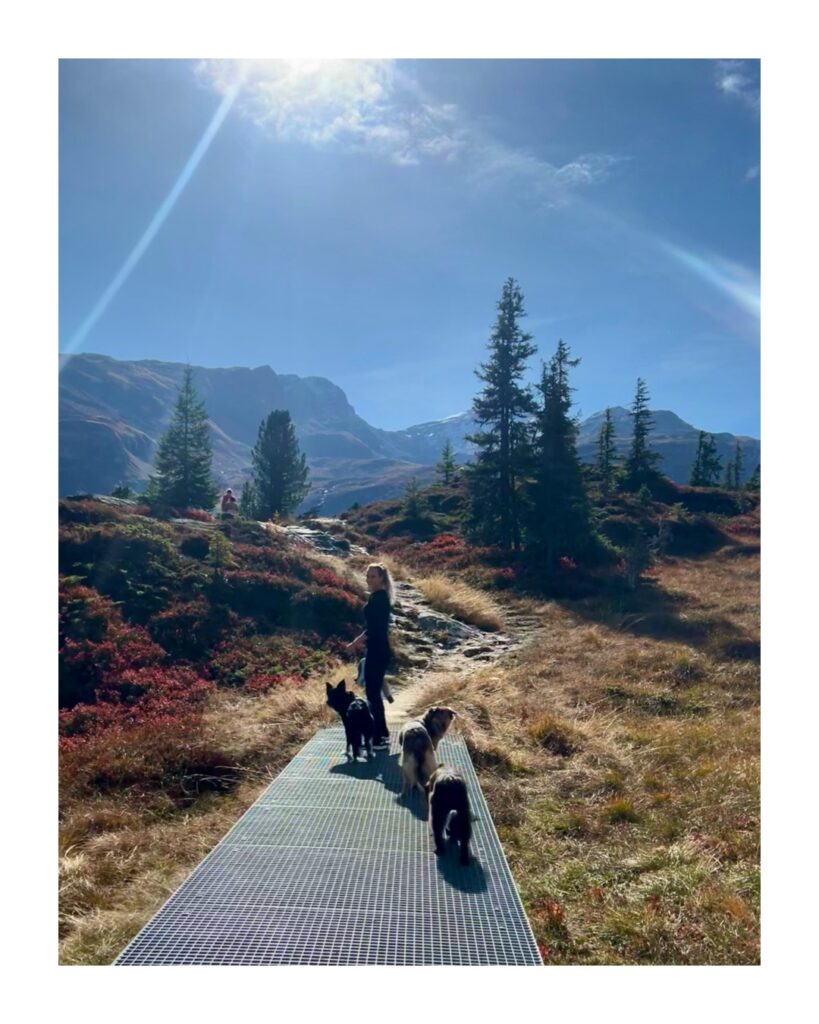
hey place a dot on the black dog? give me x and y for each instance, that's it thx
(356, 716)
(449, 810)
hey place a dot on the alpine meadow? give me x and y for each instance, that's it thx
(350, 374)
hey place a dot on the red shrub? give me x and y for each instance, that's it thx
(236, 662)
(502, 578)
(327, 578)
(259, 594)
(326, 610)
(96, 646)
(197, 514)
(88, 511)
(273, 558)
(139, 696)
(169, 752)
(261, 683)
(188, 629)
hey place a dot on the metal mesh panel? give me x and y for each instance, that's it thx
(331, 866)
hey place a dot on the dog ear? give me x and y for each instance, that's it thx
(343, 684)
(329, 689)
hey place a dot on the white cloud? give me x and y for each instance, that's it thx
(375, 106)
(752, 173)
(493, 163)
(734, 78)
(356, 103)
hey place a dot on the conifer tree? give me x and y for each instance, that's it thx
(247, 501)
(446, 467)
(695, 480)
(733, 470)
(182, 467)
(752, 483)
(413, 505)
(503, 408)
(558, 513)
(640, 467)
(728, 476)
(711, 462)
(738, 465)
(279, 467)
(606, 454)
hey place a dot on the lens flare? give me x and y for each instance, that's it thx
(157, 220)
(733, 280)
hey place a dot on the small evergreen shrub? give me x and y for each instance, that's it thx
(195, 546)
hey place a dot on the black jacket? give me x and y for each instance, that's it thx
(377, 617)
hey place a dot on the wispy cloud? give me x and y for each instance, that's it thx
(378, 107)
(492, 163)
(739, 80)
(362, 104)
(752, 173)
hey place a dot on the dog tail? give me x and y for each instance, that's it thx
(460, 828)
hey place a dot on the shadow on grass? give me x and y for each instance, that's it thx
(651, 611)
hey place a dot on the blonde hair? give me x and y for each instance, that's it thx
(385, 576)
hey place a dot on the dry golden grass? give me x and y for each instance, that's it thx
(461, 601)
(397, 569)
(620, 761)
(123, 854)
(618, 754)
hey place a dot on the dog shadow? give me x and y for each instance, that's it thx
(362, 768)
(413, 802)
(466, 878)
(383, 767)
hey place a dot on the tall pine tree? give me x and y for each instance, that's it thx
(641, 463)
(503, 408)
(182, 467)
(279, 467)
(558, 513)
(606, 454)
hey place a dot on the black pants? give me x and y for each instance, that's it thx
(375, 666)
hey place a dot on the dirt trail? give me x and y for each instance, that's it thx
(440, 645)
(437, 644)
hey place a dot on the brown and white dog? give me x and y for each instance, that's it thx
(418, 740)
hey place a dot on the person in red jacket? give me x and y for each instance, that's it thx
(228, 503)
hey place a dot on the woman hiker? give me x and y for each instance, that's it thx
(377, 616)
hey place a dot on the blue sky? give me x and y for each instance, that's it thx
(356, 220)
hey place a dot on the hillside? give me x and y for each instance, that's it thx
(614, 729)
(113, 412)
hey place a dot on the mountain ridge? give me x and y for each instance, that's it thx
(113, 412)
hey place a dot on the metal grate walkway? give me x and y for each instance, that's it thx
(328, 867)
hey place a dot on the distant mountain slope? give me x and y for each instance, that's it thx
(112, 413)
(672, 437)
